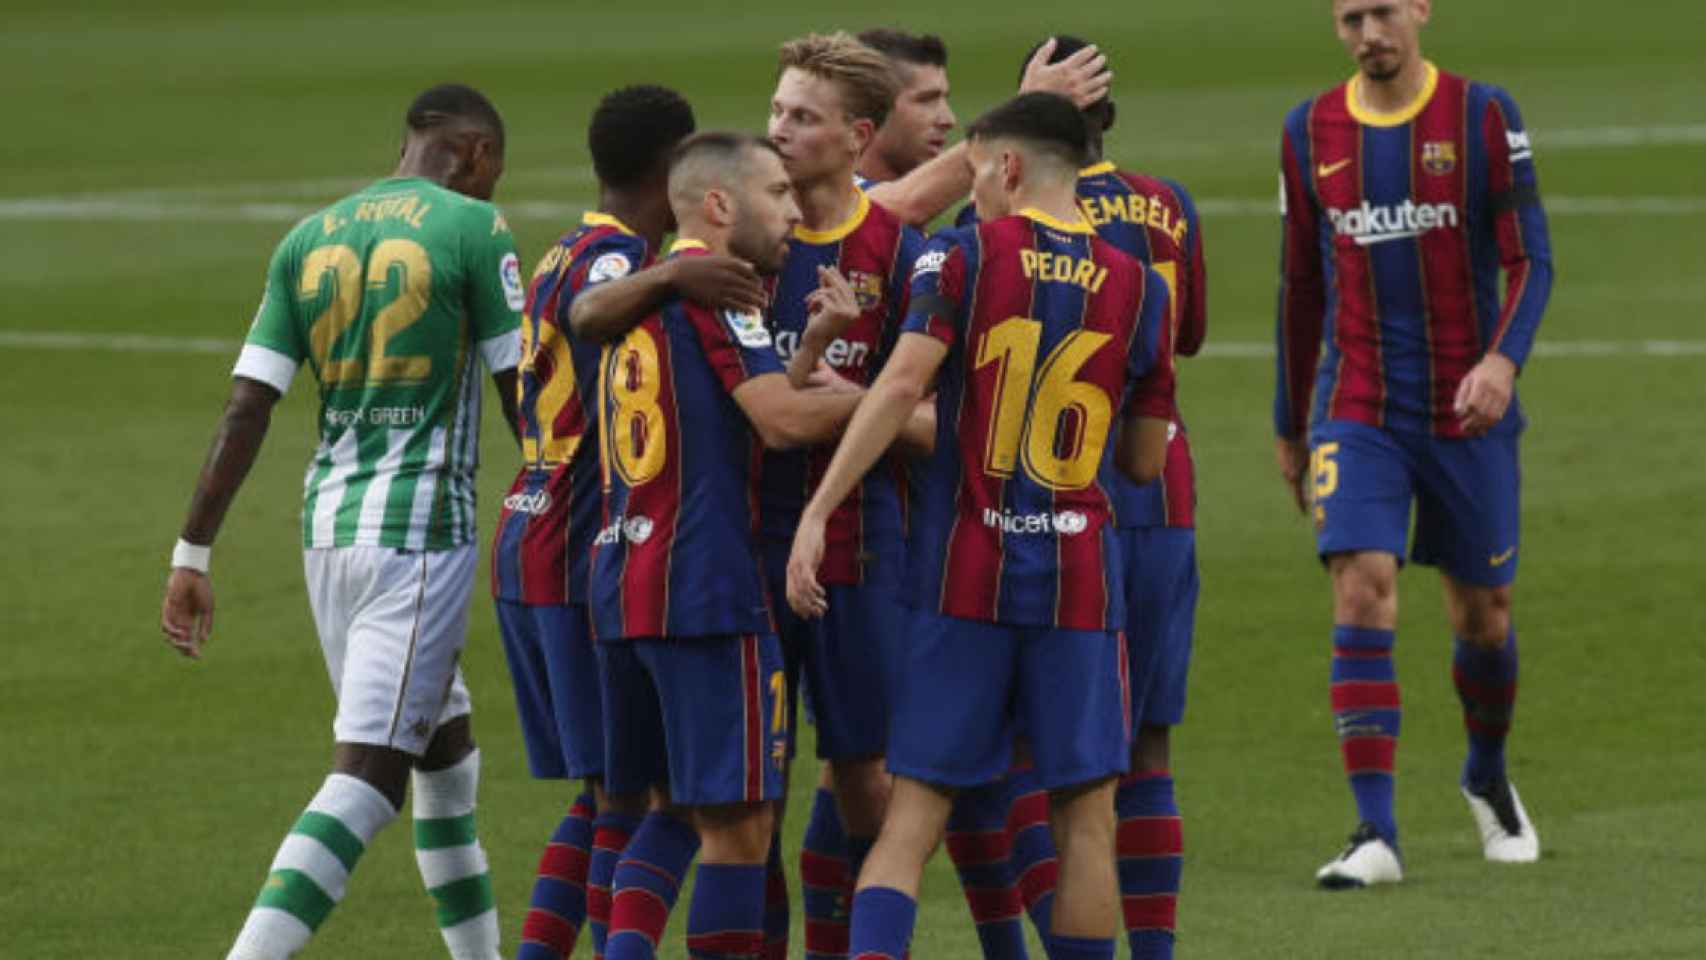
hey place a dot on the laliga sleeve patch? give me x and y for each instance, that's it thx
(748, 328)
(611, 266)
(509, 272)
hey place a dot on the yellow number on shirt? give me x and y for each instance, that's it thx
(779, 696)
(1061, 435)
(399, 266)
(556, 392)
(635, 431)
(1324, 468)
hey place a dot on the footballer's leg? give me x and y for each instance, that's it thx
(1162, 589)
(1362, 492)
(1473, 538)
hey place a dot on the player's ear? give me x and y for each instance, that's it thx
(860, 134)
(1421, 10)
(719, 207)
(1012, 170)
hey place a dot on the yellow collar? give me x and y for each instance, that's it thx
(596, 219)
(687, 244)
(1096, 169)
(1397, 117)
(1078, 226)
(840, 230)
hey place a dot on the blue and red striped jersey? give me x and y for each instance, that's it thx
(874, 251)
(1397, 226)
(676, 554)
(539, 553)
(1156, 221)
(1053, 333)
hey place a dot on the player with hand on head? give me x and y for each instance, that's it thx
(690, 666)
(544, 535)
(1406, 191)
(392, 296)
(1045, 344)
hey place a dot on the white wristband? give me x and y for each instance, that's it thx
(187, 554)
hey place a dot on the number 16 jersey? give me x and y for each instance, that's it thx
(389, 294)
(1053, 334)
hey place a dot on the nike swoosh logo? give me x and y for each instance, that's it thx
(1500, 559)
(1387, 237)
(1325, 170)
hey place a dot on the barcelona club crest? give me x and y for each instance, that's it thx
(1439, 157)
(867, 289)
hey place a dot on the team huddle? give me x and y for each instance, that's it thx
(932, 494)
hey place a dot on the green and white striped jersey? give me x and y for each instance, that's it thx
(389, 295)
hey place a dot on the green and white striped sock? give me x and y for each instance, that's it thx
(312, 867)
(452, 862)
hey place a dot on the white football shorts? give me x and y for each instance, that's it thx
(392, 625)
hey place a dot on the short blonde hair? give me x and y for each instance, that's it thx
(864, 75)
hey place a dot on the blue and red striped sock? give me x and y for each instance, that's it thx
(826, 880)
(646, 884)
(882, 923)
(979, 846)
(1367, 712)
(1150, 848)
(726, 918)
(1078, 948)
(558, 906)
(1036, 863)
(610, 833)
(1486, 684)
(776, 908)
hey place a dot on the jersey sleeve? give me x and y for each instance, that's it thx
(899, 294)
(1192, 305)
(275, 345)
(1519, 225)
(1149, 362)
(938, 286)
(737, 345)
(609, 258)
(1302, 295)
(495, 294)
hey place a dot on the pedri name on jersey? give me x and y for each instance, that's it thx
(1368, 224)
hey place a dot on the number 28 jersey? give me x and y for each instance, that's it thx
(390, 295)
(1053, 334)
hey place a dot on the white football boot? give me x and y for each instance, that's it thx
(1366, 860)
(1507, 835)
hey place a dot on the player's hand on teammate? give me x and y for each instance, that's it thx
(1293, 459)
(831, 308)
(186, 614)
(723, 283)
(825, 379)
(1083, 78)
(1485, 394)
(805, 594)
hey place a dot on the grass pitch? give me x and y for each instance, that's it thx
(155, 156)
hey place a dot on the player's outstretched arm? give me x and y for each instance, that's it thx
(904, 380)
(186, 613)
(918, 437)
(607, 311)
(785, 418)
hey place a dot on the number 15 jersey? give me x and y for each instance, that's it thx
(1052, 334)
(389, 295)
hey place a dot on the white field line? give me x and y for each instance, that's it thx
(1234, 349)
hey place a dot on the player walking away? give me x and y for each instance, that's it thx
(1034, 332)
(391, 295)
(832, 95)
(544, 535)
(1405, 191)
(691, 669)
(916, 130)
(1154, 220)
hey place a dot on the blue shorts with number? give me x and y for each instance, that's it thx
(962, 686)
(843, 657)
(555, 673)
(706, 715)
(1161, 612)
(1465, 492)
